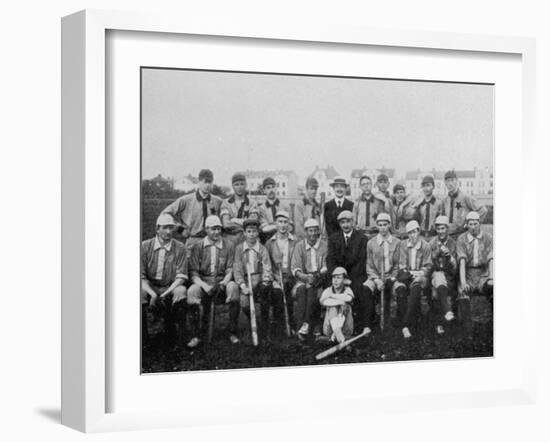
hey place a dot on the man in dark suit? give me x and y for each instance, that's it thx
(348, 248)
(336, 205)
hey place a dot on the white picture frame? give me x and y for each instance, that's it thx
(85, 198)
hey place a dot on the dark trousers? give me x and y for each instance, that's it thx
(199, 321)
(408, 304)
(174, 316)
(363, 310)
(308, 308)
(370, 305)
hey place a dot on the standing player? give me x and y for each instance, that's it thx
(403, 212)
(190, 211)
(235, 209)
(338, 204)
(428, 208)
(456, 205)
(444, 272)
(163, 275)
(307, 208)
(382, 266)
(211, 268)
(268, 210)
(366, 208)
(474, 250)
(415, 264)
(253, 257)
(348, 249)
(309, 268)
(280, 248)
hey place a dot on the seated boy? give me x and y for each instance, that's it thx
(338, 324)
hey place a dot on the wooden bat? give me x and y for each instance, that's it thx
(285, 308)
(211, 321)
(382, 302)
(339, 347)
(292, 212)
(322, 216)
(253, 324)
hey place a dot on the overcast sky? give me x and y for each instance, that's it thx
(232, 121)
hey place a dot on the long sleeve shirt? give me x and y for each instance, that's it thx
(305, 209)
(163, 264)
(331, 298)
(308, 258)
(191, 211)
(365, 211)
(441, 262)
(382, 257)
(416, 256)
(280, 251)
(477, 251)
(256, 258)
(234, 209)
(457, 206)
(211, 258)
(426, 213)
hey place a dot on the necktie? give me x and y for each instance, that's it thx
(273, 209)
(240, 212)
(204, 211)
(367, 213)
(427, 217)
(339, 204)
(451, 210)
(476, 251)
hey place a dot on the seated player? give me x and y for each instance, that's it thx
(309, 268)
(338, 323)
(211, 269)
(444, 272)
(415, 264)
(382, 266)
(252, 258)
(163, 275)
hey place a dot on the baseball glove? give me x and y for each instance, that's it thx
(404, 276)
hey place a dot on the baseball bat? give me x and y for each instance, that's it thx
(253, 324)
(382, 304)
(322, 215)
(285, 308)
(339, 347)
(292, 212)
(211, 320)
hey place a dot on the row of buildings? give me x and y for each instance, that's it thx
(478, 181)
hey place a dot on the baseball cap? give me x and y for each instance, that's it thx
(250, 223)
(428, 179)
(450, 174)
(165, 219)
(282, 214)
(237, 177)
(312, 222)
(382, 178)
(398, 187)
(442, 219)
(268, 181)
(383, 217)
(212, 221)
(339, 271)
(411, 225)
(312, 182)
(472, 216)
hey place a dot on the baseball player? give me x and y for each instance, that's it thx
(163, 275)
(338, 204)
(366, 208)
(309, 268)
(444, 272)
(281, 247)
(474, 251)
(403, 212)
(253, 257)
(235, 209)
(338, 323)
(307, 208)
(456, 205)
(211, 269)
(382, 265)
(268, 210)
(415, 265)
(190, 211)
(428, 208)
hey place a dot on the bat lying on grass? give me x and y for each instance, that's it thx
(339, 346)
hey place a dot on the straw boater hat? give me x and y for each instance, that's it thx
(339, 180)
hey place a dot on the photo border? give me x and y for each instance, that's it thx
(85, 200)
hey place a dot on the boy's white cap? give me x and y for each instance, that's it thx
(212, 221)
(411, 225)
(312, 222)
(339, 271)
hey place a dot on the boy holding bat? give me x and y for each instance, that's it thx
(280, 248)
(252, 272)
(338, 323)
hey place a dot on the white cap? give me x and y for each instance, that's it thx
(411, 225)
(472, 216)
(312, 222)
(442, 220)
(345, 214)
(383, 217)
(165, 219)
(212, 221)
(339, 271)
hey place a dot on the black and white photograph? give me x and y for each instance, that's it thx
(297, 220)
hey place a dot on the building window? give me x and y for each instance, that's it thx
(284, 185)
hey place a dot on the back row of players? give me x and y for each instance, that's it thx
(334, 260)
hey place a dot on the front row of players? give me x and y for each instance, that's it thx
(289, 280)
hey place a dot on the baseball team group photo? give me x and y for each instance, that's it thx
(291, 220)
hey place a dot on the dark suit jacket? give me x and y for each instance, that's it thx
(353, 257)
(332, 212)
